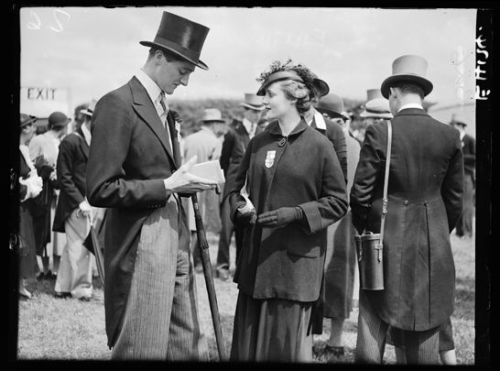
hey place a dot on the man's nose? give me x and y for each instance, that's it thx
(185, 80)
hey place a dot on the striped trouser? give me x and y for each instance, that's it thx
(161, 319)
(421, 347)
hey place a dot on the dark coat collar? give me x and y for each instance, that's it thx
(274, 128)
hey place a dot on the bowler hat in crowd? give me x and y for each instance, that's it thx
(212, 115)
(408, 68)
(376, 106)
(333, 106)
(89, 111)
(58, 120)
(180, 36)
(26, 119)
(253, 102)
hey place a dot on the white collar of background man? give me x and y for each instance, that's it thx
(319, 120)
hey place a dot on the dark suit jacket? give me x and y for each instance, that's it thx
(129, 158)
(71, 170)
(425, 189)
(336, 136)
(469, 151)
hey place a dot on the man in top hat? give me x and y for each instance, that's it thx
(340, 262)
(44, 149)
(233, 148)
(206, 145)
(135, 171)
(73, 212)
(464, 224)
(424, 203)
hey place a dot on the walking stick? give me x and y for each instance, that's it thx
(209, 280)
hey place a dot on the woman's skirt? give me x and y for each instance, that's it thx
(271, 330)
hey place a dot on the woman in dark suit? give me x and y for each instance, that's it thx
(295, 182)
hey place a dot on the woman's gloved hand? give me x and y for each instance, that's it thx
(280, 217)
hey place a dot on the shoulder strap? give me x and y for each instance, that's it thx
(385, 200)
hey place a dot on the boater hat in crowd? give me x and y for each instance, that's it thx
(376, 106)
(333, 106)
(89, 111)
(253, 102)
(26, 119)
(408, 68)
(212, 115)
(182, 37)
(279, 76)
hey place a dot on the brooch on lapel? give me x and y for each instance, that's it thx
(270, 158)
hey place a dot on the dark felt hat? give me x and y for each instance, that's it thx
(408, 68)
(182, 37)
(321, 87)
(58, 120)
(333, 106)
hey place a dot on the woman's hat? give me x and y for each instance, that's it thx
(253, 102)
(58, 120)
(89, 111)
(278, 76)
(212, 115)
(321, 87)
(182, 37)
(26, 119)
(333, 106)
(377, 108)
(408, 68)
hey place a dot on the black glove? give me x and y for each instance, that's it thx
(280, 217)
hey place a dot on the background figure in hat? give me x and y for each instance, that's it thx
(206, 145)
(233, 147)
(340, 262)
(74, 213)
(44, 149)
(376, 110)
(30, 186)
(135, 171)
(425, 193)
(295, 182)
(464, 225)
(332, 130)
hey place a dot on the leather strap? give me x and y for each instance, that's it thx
(385, 200)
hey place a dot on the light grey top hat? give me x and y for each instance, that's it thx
(212, 115)
(372, 94)
(408, 68)
(253, 102)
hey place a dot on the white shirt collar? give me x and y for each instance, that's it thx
(248, 125)
(86, 134)
(319, 119)
(410, 105)
(151, 87)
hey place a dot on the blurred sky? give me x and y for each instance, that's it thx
(93, 50)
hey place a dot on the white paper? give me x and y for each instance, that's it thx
(209, 170)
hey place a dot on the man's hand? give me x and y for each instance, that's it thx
(245, 215)
(279, 217)
(84, 209)
(182, 181)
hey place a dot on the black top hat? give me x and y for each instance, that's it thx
(180, 36)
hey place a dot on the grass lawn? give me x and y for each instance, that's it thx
(51, 328)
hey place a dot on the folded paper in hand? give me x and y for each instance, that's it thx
(209, 170)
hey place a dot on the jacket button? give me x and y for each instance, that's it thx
(406, 202)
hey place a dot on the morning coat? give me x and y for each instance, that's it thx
(301, 170)
(425, 189)
(71, 170)
(129, 158)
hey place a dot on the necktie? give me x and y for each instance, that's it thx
(163, 118)
(162, 104)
